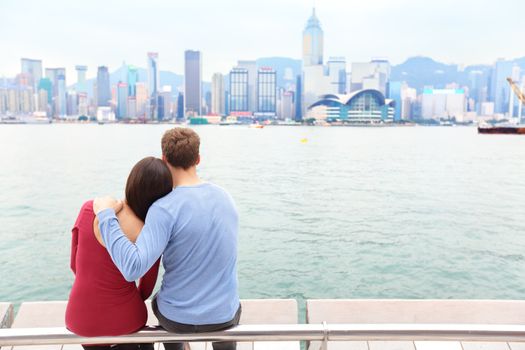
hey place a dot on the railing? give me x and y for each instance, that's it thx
(285, 332)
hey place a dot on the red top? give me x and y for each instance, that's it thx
(102, 302)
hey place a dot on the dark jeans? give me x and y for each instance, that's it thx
(119, 347)
(175, 327)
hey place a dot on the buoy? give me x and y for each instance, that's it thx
(305, 140)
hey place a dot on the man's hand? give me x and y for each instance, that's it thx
(107, 202)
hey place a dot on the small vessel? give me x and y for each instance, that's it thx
(256, 126)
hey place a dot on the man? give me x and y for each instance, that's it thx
(195, 229)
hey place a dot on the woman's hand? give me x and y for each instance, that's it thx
(106, 202)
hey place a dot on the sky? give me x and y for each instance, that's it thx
(64, 33)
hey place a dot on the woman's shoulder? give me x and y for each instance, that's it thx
(85, 211)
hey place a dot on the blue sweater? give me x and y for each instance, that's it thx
(195, 228)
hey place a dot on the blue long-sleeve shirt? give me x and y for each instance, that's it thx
(195, 228)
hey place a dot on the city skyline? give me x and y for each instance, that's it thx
(472, 32)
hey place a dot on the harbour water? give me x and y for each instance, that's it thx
(407, 212)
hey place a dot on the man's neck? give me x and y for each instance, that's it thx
(186, 177)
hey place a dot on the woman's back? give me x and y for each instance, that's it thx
(102, 302)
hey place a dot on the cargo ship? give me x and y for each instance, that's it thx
(502, 129)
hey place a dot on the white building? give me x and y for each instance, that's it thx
(105, 114)
(443, 103)
(370, 75)
(217, 94)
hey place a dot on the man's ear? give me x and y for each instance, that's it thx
(164, 159)
(198, 160)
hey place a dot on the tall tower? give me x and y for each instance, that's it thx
(103, 88)
(312, 42)
(193, 83)
(33, 68)
(81, 78)
(153, 83)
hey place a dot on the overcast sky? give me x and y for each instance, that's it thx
(95, 32)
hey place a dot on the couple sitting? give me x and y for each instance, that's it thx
(170, 212)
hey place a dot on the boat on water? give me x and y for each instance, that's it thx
(502, 129)
(256, 126)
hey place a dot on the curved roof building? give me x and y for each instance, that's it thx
(359, 107)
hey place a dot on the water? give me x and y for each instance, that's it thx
(353, 213)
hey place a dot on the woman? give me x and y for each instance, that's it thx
(102, 302)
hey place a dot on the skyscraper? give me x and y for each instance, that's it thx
(81, 78)
(52, 74)
(217, 94)
(251, 66)
(394, 93)
(192, 82)
(299, 98)
(153, 83)
(122, 100)
(500, 89)
(266, 91)
(238, 90)
(61, 98)
(132, 79)
(103, 87)
(33, 68)
(312, 42)
(337, 73)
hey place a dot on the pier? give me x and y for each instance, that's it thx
(268, 324)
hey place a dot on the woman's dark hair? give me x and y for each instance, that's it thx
(149, 180)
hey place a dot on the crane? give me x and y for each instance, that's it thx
(519, 93)
(516, 90)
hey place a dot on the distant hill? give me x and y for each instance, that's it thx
(419, 72)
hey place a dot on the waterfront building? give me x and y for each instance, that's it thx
(217, 94)
(394, 93)
(207, 102)
(313, 42)
(180, 106)
(408, 102)
(478, 82)
(266, 92)
(105, 114)
(61, 97)
(239, 90)
(165, 103)
(316, 82)
(337, 75)
(122, 101)
(47, 85)
(499, 88)
(72, 103)
(26, 100)
(298, 98)
(132, 107)
(42, 101)
(193, 83)
(3, 101)
(286, 110)
(81, 79)
(132, 79)
(370, 75)
(153, 84)
(33, 69)
(83, 104)
(103, 87)
(142, 99)
(52, 74)
(251, 67)
(443, 103)
(358, 107)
